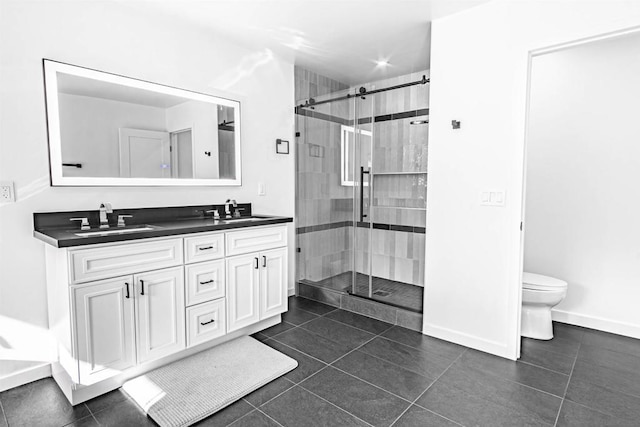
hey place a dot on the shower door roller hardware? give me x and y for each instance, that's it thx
(455, 124)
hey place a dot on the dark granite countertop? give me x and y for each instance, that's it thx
(56, 229)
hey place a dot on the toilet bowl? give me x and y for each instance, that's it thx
(539, 294)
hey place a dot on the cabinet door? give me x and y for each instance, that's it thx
(160, 313)
(104, 328)
(273, 282)
(242, 291)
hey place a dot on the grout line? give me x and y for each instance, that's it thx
(299, 351)
(268, 416)
(567, 386)
(428, 388)
(343, 410)
(4, 415)
(542, 367)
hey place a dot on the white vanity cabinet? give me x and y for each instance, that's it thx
(256, 281)
(159, 297)
(127, 320)
(120, 309)
(104, 328)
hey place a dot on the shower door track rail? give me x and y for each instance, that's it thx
(363, 92)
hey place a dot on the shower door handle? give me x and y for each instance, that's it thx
(362, 214)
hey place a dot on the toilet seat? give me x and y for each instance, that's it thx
(538, 282)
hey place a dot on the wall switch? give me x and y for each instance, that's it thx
(261, 189)
(492, 198)
(7, 193)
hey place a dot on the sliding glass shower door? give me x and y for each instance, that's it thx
(361, 194)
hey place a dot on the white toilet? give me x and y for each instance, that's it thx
(539, 294)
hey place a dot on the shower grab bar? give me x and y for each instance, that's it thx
(362, 172)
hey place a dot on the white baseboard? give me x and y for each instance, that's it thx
(599, 323)
(25, 376)
(467, 340)
(291, 291)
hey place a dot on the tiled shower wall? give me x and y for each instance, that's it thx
(324, 208)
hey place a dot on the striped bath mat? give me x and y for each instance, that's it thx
(191, 389)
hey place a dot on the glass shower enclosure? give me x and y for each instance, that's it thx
(361, 164)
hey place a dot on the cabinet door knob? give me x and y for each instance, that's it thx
(141, 287)
(257, 263)
(264, 261)
(127, 285)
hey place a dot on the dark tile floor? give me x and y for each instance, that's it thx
(354, 370)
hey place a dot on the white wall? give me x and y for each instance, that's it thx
(583, 170)
(479, 70)
(117, 38)
(89, 131)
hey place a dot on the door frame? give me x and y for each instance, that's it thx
(532, 54)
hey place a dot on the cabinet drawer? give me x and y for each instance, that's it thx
(255, 239)
(205, 281)
(205, 321)
(118, 260)
(204, 247)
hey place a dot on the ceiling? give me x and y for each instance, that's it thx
(341, 39)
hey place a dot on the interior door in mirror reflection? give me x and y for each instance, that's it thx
(144, 154)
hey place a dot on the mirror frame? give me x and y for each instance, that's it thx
(51, 68)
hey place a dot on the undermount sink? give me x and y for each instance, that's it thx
(102, 233)
(249, 218)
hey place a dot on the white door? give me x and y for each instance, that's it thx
(242, 291)
(160, 307)
(144, 154)
(273, 282)
(105, 339)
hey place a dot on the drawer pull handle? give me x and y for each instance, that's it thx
(141, 287)
(127, 285)
(257, 262)
(206, 323)
(264, 261)
(205, 248)
(207, 281)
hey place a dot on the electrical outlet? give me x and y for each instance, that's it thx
(7, 194)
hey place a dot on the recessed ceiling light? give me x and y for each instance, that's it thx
(382, 63)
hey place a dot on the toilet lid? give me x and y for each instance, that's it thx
(539, 282)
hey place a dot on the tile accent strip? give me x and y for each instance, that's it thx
(377, 225)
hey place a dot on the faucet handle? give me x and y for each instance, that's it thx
(84, 225)
(121, 218)
(216, 214)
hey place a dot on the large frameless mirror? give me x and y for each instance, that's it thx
(110, 130)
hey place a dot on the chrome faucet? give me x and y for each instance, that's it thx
(105, 208)
(227, 207)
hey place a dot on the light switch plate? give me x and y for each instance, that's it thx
(261, 189)
(492, 198)
(7, 193)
